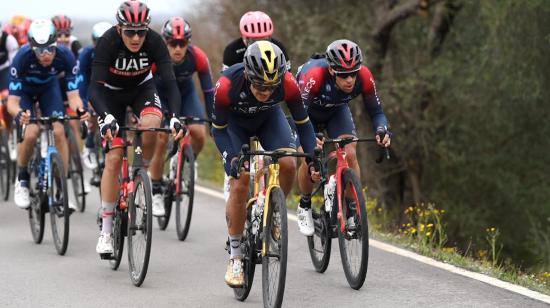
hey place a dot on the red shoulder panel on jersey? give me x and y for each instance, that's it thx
(221, 95)
(369, 88)
(311, 81)
(154, 68)
(202, 60)
(292, 92)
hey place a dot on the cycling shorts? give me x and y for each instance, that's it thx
(48, 97)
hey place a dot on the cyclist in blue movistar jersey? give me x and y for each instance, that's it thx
(33, 77)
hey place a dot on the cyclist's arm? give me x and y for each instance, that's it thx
(299, 114)
(75, 102)
(15, 84)
(371, 100)
(100, 71)
(161, 58)
(205, 78)
(85, 63)
(72, 78)
(219, 122)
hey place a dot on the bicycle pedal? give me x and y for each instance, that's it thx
(106, 256)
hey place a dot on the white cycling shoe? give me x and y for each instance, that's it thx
(104, 243)
(305, 221)
(158, 205)
(21, 195)
(89, 158)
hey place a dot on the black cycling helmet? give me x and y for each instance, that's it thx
(133, 14)
(344, 56)
(264, 63)
(176, 28)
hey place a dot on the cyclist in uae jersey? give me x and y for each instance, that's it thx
(187, 60)
(121, 78)
(246, 104)
(327, 85)
(254, 26)
(85, 60)
(33, 78)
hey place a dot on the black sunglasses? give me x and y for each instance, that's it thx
(180, 43)
(132, 32)
(264, 88)
(345, 75)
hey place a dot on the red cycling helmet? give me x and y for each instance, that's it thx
(62, 23)
(176, 29)
(344, 56)
(256, 24)
(133, 14)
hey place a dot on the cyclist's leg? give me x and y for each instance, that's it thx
(192, 107)
(149, 109)
(274, 134)
(341, 125)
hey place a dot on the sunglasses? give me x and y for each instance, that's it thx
(39, 51)
(264, 88)
(132, 32)
(63, 34)
(345, 75)
(175, 43)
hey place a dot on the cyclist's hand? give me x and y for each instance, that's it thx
(176, 127)
(108, 127)
(383, 137)
(234, 170)
(83, 114)
(314, 173)
(23, 117)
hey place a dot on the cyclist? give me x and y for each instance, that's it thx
(64, 28)
(85, 59)
(122, 77)
(254, 26)
(19, 27)
(246, 103)
(34, 78)
(186, 60)
(8, 48)
(327, 85)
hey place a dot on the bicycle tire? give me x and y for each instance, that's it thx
(118, 238)
(5, 166)
(184, 200)
(140, 198)
(249, 259)
(59, 204)
(274, 277)
(361, 232)
(76, 173)
(320, 242)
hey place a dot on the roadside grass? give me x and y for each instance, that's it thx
(424, 233)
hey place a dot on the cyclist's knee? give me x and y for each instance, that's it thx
(287, 166)
(197, 133)
(149, 120)
(31, 133)
(58, 131)
(113, 160)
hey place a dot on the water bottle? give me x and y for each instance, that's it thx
(256, 214)
(43, 143)
(330, 189)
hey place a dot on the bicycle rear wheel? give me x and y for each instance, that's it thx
(320, 242)
(184, 200)
(276, 247)
(140, 223)
(5, 166)
(118, 237)
(354, 241)
(249, 260)
(75, 171)
(59, 204)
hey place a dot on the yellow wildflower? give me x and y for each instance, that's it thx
(428, 234)
(430, 225)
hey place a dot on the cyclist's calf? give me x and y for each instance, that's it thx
(109, 180)
(236, 205)
(198, 137)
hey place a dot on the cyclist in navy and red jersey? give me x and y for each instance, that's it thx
(187, 59)
(122, 78)
(34, 79)
(246, 104)
(327, 85)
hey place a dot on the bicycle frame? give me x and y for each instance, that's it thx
(185, 141)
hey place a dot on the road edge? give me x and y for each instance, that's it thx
(426, 260)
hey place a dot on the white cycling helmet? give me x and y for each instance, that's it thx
(42, 33)
(100, 28)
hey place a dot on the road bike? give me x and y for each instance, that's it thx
(265, 236)
(133, 215)
(342, 215)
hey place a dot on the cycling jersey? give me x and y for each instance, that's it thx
(234, 53)
(321, 95)
(26, 70)
(117, 68)
(75, 46)
(236, 106)
(8, 49)
(195, 61)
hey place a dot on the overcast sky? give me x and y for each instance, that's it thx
(93, 9)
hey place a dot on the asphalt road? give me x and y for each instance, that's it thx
(190, 273)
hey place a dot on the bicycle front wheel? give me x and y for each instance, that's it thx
(354, 241)
(58, 204)
(184, 199)
(321, 241)
(275, 245)
(75, 172)
(140, 227)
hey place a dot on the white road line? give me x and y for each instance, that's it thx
(429, 261)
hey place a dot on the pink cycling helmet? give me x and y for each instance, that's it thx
(256, 24)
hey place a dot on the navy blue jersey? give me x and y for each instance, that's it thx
(27, 71)
(195, 61)
(85, 63)
(233, 97)
(319, 91)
